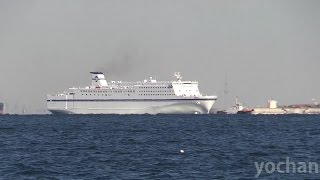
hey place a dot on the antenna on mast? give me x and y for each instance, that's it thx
(178, 76)
(226, 90)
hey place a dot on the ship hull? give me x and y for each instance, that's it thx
(198, 106)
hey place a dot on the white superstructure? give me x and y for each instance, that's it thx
(145, 97)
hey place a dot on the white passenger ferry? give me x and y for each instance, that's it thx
(143, 97)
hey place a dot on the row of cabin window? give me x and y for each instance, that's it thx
(96, 94)
(152, 87)
(156, 94)
(155, 91)
(115, 91)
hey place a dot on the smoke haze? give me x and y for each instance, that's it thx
(268, 49)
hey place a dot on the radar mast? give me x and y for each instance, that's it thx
(178, 76)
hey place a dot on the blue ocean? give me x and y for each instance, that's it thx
(159, 147)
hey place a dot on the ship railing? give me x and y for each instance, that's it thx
(154, 83)
(56, 95)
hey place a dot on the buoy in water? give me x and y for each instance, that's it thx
(181, 151)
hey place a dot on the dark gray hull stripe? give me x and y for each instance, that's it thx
(121, 100)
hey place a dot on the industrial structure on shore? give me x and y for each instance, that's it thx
(272, 108)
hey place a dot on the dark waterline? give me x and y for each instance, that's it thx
(148, 147)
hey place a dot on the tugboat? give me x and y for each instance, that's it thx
(238, 108)
(245, 111)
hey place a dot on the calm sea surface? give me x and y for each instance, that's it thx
(149, 147)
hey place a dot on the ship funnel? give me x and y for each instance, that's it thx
(98, 79)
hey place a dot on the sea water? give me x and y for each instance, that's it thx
(158, 146)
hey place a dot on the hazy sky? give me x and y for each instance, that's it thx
(267, 49)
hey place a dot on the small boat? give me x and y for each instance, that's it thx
(238, 107)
